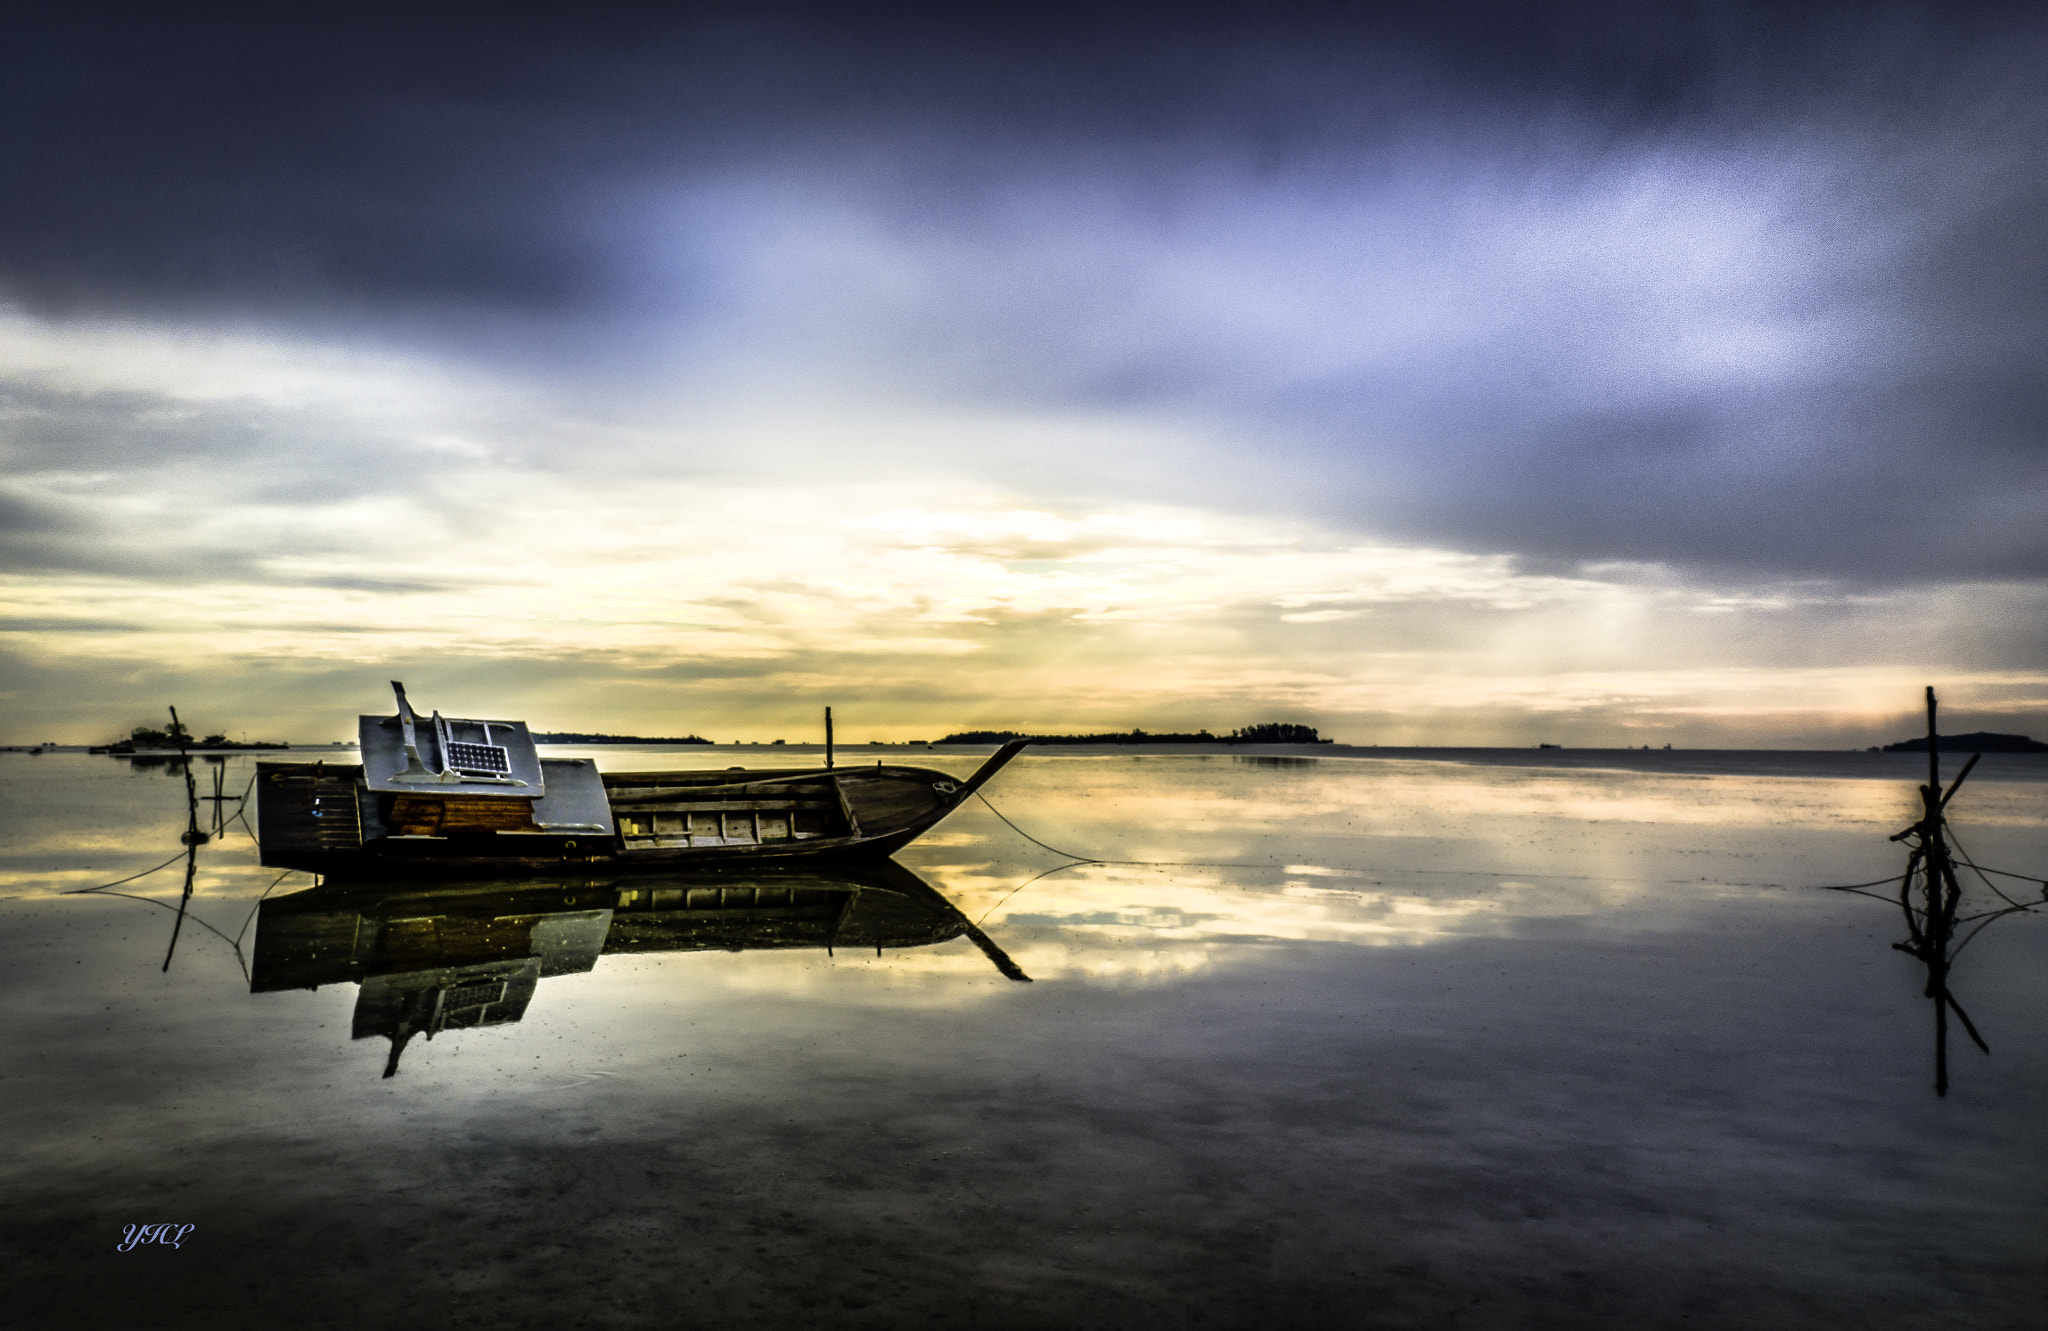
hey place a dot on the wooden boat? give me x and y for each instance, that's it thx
(438, 957)
(448, 796)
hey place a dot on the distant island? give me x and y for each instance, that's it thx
(1980, 742)
(569, 737)
(1269, 733)
(143, 738)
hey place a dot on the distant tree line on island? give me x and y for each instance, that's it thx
(1982, 741)
(570, 737)
(1272, 732)
(146, 737)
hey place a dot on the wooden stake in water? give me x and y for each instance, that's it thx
(1940, 894)
(828, 737)
(1934, 865)
(193, 838)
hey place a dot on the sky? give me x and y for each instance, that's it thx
(1597, 374)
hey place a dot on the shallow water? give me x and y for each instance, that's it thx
(1350, 1040)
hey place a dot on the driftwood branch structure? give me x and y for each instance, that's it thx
(1931, 878)
(1930, 893)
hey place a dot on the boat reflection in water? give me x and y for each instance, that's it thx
(432, 958)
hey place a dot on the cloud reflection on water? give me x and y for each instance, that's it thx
(1227, 858)
(1416, 982)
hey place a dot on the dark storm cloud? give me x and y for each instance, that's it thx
(1035, 208)
(21, 517)
(123, 483)
(468, 153)
(48, 429)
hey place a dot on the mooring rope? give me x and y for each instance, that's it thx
(1078, 859)
(242, 816)
(2008, 873)
(1075, 861)
(1121, 863)
(1856, 887)
(72, 892)
(259, 904)
(1045, 873)
(1456, 873)
(195, 919)
(1963, 857)
(1983, 919)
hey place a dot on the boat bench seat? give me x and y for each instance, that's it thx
(726, 823)
(724, 790)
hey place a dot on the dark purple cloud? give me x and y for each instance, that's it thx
(1714, 285)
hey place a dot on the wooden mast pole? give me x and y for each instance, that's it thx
(828, 737)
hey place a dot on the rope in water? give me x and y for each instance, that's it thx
(1860, 889)
(1078, 859)
(130, 896)
(72, 892)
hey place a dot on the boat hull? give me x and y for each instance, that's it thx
(323, 818)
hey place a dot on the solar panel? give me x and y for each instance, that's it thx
(472, 995)
(453, 755)
(478, 757)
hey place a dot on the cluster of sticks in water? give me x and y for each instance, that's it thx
(1930, 896)
(193, 838)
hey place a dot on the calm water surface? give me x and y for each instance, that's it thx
(1348, 1041)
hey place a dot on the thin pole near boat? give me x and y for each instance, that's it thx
(828, 737)
(193, 838)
